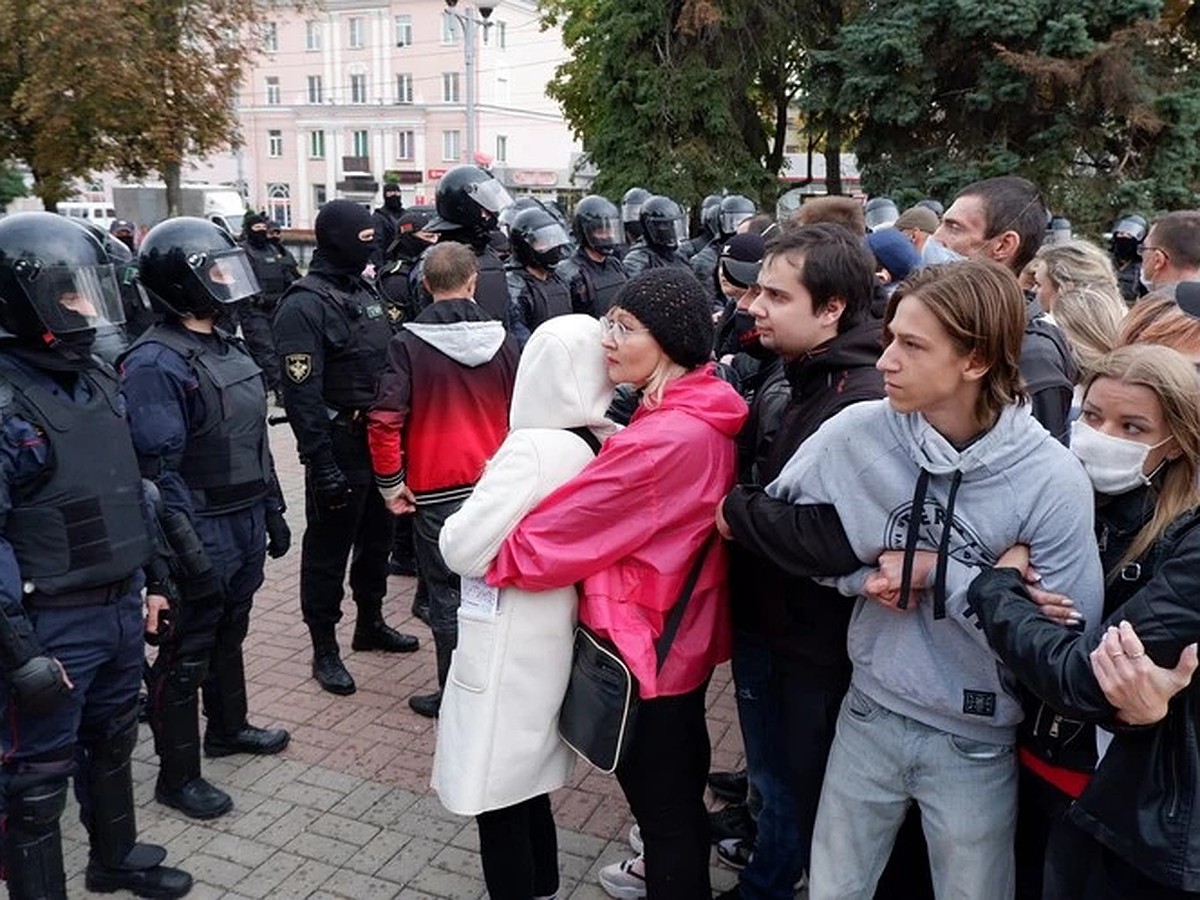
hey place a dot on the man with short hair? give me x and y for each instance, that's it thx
(441, 412)
(1004, 219)
(789, 659)
(1171, 251)
(931, 485)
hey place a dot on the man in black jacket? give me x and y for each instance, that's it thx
(790, 662)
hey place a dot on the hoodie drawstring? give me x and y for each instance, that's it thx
(943, 557)
(913, 536)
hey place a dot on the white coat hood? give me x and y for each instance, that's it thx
(562, 380)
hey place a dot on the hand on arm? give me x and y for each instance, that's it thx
(883, 586)
(1140, 690)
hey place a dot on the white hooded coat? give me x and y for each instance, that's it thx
(497, 738)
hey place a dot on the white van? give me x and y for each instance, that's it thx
(101, 214)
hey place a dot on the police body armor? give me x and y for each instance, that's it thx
(273, 271)
(226, 464)
(491, 288)
(83, 526)
(547, 299)
(602, 281)
(352, 372)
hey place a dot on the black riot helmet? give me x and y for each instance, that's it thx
(631, 204)
(538, 239)
(118, 251)
(193, 268)
(663, 223)
(56, 283)
(880, 212)
(520, 204)
(1132, 225)
(735, 209)
(597, 223)
(710, 215)
(469, 198)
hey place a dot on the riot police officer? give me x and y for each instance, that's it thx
(710, 213)
(73, 543)
(535, 291)
(332, 333)
(386, 218)
(732, 212)
(469, 201)
(593, 272)
(394, 279)
(274, 271)
(631, 213)
(197, 412)
(663, 226)
(1125, 245)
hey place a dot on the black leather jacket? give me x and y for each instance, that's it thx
(1144, 800)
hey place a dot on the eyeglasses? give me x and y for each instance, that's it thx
(618, 331)
(1142, 249)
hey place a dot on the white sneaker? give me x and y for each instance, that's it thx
(635, 839)
(625, 880)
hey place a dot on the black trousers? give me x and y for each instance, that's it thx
(260, 341)
(442, 585)
(360, 531)
(663, 777)
(519, 849)
(1078, 867)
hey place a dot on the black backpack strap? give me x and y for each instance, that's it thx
(585, 434)
(667, 638)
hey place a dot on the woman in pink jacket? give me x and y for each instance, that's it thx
(630, 527)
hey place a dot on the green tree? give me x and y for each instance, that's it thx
(1094, 101)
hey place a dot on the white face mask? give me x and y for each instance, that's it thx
(1146, 282)
(935, 252)
(1113, 464)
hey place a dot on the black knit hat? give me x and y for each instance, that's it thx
(671, 303)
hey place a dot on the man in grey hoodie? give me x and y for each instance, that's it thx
(930, 485)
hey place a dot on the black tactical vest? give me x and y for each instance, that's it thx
(602, 281)
(82, 526)
(491, 288)
(226, 464)
(547, 299)
(272, 269)
(352, 371)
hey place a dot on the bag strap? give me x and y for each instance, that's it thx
(667, 638)
(585, 434)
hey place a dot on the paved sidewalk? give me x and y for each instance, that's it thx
(346, 810)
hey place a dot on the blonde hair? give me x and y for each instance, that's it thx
(1090, 319)
(1173, 381)
(1076, 263)
(1157, 319)
(664, 373)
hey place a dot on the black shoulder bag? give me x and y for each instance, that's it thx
(600, 706)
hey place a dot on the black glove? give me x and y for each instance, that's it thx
(279, 536)
(330, 487)
(40, 685)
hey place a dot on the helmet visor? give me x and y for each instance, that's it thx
(731, 220)
(602, 232)
(631, 211)
(666, 232)
(71, 299)
(547, 237)
(490, 194)
(224, 274)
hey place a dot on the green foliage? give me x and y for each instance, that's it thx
(12, 184)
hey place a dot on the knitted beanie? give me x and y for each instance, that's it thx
(671, 303)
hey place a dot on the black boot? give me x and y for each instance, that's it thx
(376, 635)
(31, 839)
(420, 604)
(247, 739)
(429, 705)
(331, 674)
(175, 722)
(141, 873)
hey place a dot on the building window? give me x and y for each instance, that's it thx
(451, 146)
(279, 204)
(358, 88)
(312, 35)
(501, 35)
(316, 144)
(405, 145)
(356, 32)
(449, 28)
(319, 195)
(404, 31)
(316, 90)
(501, 148)
(450, 87)
(502, 92)
(404, 87)
(362, 144)
(270, 37)
(273, 91)
(275, 143)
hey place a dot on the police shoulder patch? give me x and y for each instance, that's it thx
(298, 366)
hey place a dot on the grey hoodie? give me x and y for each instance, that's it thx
(1015, 484)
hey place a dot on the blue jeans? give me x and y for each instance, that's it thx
(880, 763)
(779, 856)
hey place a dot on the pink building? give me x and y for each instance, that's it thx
(365, 91)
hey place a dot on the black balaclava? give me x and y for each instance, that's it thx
(339, 227)
(392, 200)
(256, 237)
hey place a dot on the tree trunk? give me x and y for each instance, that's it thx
(172, 174)
(833, 155)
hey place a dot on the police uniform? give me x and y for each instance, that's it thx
(593, 285)
(275, 271)
(331, 332)
(642, 257)
(74, 541)
(532, 300)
